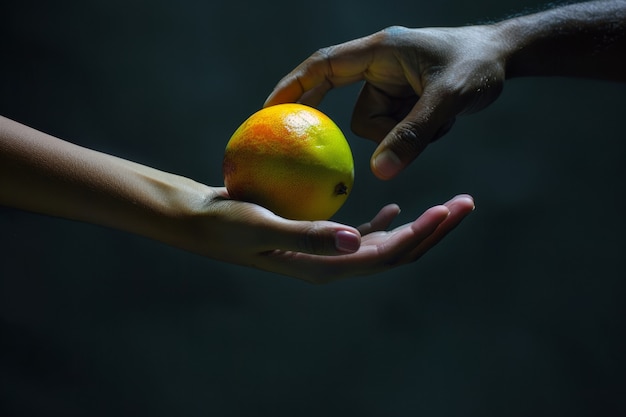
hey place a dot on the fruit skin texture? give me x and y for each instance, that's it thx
(291, 159)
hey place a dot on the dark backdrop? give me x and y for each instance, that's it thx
(519, 312)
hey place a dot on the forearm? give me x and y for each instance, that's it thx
(581, 40)
(43, 174)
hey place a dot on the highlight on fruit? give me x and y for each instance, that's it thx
(293, 160)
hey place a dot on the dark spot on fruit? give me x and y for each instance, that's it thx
(341, 189)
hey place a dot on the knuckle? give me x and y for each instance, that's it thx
(471, 84)
(322, 61)
(392, 34)
(449, 87)
(409, 141)
(316, 241)
(323, 54)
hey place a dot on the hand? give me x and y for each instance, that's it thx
(47, 175)
(320, 251)
(416, 82)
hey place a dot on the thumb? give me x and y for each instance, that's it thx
(318, 237)
(254, 228)
(425, 122)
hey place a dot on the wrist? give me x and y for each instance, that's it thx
(173, 204)
(579, 40)
(519, 38)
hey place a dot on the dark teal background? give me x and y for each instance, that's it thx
(519, 312)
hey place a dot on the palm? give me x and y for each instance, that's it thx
(380, 249)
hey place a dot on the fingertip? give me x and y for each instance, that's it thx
(430, 220)
(436, 213)
(267, 102)
(386, 164)
(392, 208)
(286, 91)
(271, 100)
(464, 196)
(464, 200)
(382, 220)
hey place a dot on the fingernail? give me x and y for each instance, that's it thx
(347, 241)
(387, 164)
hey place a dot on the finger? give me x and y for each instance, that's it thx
(259, 230)
(307, 84)
(315, 95)
(328, 68)
(381, 221)
(460, 206)
(410, 136)
(396, 247)
(390, 250)
(316, 238)
(419, 230)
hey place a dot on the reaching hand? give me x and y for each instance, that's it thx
(416, 82)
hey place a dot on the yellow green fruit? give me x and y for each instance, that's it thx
(291, 159)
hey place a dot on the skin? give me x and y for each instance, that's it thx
(48, 175)
(417, 81)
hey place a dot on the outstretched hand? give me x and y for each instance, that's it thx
(320, 251)
(416, 82)
(51, 176)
